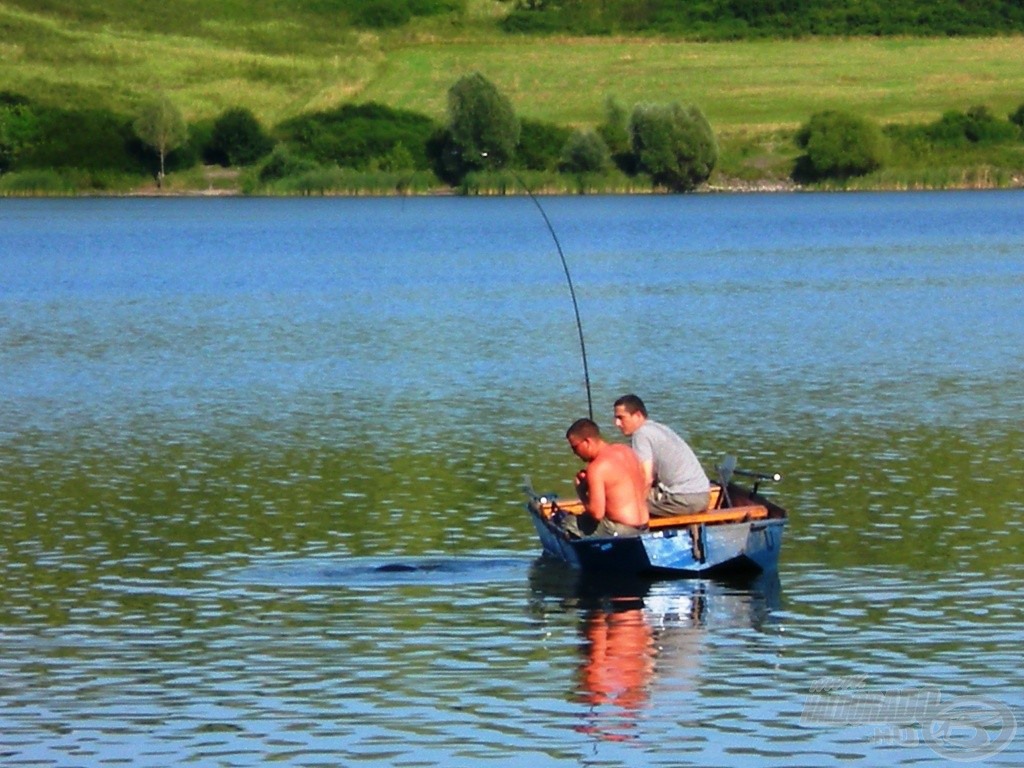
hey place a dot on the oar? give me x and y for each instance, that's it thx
(725, 472)
(759, 477)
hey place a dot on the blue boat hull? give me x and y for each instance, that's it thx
(724, 549)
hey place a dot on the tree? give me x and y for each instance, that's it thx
(237, 139)
(585, 152)
(615, 130)
(840, 145)
(161, 126)
(674, 144)
(18, 128)
(540, 145)
(483, 129)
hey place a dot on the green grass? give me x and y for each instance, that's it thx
(280, 67)
(741, 86)
(281, 58)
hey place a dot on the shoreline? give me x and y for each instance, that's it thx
(772, 189)
(720, 187)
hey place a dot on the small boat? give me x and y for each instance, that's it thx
(740, 534)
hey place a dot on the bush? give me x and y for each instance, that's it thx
(839, 145)
(1017, 117)
(540, 145)
(283, 163)
(358, 135)
(975, 126)
(383, 14)
(730, 19)
(237, 139)
(35, 182)
(90, 140)
(674, 144)
(585, 152)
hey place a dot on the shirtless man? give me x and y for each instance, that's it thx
(612, 486)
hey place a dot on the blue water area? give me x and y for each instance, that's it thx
(261, 468)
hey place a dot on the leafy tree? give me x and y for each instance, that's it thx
(585, 152)
(840, 145)
(483, 129)
(540, 145)
(237, 139)
(19, 126)
(161, 126)
(615, 128)
(674, 144)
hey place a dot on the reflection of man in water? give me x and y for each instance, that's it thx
(618, 665)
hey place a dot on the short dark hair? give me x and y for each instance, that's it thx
(632, 403)
(584, 428)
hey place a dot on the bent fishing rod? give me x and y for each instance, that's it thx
(572, 289)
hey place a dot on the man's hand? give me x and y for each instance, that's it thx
(582, 489)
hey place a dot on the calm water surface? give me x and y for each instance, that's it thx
(260, 468)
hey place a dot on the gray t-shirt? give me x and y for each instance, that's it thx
(675, 465)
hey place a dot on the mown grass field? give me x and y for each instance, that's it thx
(280, 60)
(279, 67)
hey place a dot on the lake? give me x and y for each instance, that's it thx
(261, 465)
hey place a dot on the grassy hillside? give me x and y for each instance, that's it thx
(281, 58)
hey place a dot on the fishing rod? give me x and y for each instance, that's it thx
(572, 290)
(568, 279)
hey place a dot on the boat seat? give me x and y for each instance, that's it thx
(730, 515)
(711, 515)
(716, 497)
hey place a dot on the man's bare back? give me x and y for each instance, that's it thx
(616, 486)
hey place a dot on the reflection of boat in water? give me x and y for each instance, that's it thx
(700, 603)
(740, 533)
(637, 634)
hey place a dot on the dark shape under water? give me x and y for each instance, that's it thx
(361, 572)
(396, 568)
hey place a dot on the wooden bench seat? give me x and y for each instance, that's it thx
(730, 515)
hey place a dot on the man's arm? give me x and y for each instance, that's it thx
(648, 473)
(645, 452)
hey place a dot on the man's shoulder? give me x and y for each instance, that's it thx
(613, 454)
(610, 451)
(651, 430)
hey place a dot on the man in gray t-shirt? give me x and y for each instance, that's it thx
(674, 476)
